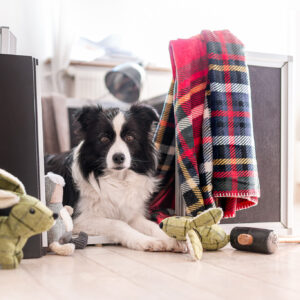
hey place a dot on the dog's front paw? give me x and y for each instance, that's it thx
(151, 244)
(180, 246)
(173, 245)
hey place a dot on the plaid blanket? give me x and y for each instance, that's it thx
(207, 123)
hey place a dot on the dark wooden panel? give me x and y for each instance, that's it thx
(266, 105)
(18, 128)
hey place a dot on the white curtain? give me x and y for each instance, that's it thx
(64, 33)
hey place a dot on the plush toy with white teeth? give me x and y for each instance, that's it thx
(60, 235)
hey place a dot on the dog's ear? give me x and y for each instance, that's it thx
(147, 114)
(86, 117)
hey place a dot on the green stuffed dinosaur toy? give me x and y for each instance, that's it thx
(21, 216)
(200, 232)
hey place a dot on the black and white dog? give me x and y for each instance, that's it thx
(110, 177)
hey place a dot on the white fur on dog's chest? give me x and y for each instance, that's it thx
(124, 195)
(120, 195)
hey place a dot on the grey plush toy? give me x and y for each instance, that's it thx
(60, 235)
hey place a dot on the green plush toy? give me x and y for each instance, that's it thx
(21, 216)
(200, 232)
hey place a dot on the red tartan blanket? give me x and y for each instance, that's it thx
(207, 122)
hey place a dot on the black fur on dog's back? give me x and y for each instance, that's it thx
(61, 164)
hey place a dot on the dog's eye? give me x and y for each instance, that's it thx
(32, 210)
(129, 138)
(104, 139)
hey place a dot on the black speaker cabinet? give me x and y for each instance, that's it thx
(21, 148)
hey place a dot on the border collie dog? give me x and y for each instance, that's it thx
(110, 177)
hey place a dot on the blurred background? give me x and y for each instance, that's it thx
(78, 42)
(62, 31)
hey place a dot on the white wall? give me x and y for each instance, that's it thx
(149, 25)
(295, 46)
(30, 21)
(263, 25)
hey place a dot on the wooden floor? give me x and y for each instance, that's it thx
(113, 272)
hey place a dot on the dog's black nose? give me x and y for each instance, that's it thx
(55, 216)
(118, 158)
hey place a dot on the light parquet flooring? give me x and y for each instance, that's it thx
(114, 272)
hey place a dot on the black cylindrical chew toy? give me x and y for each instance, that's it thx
(254, 239)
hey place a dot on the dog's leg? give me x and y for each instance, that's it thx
(120, 232)
(150, 228)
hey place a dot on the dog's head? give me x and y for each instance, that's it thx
(116, 140)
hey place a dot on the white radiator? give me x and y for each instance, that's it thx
(88, 84)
